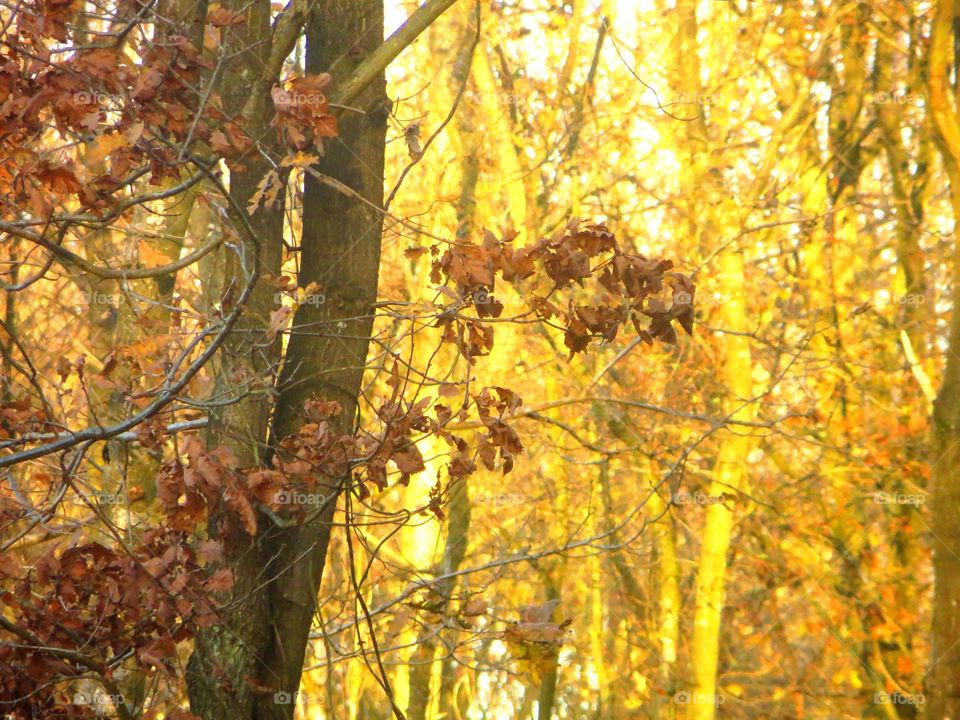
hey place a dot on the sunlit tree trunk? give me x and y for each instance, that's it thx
(498, 135)
(943, 678)
(667, 571)
(728, 473)
(431, 686)
(707, 211)
(668, 585)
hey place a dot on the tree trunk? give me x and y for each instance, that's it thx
(227, 655)
(707, 211)
(943, 679)
(458, 509)
(326, 355)
(258, 650)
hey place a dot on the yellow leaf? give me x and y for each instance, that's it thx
(104, 145)
(152, 256)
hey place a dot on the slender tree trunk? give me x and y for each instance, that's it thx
(728, 476)
(943, 678)
(458, 525)
(326, 355)
(728, 471)
(226, 656)
(910, 291)
(458, 538)
(550, 660)
(667, 567)
(458, 509)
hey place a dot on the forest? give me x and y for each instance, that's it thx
(479, 359)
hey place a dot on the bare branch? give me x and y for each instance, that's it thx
(379, 59)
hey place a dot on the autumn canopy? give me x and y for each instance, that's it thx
(446, 360)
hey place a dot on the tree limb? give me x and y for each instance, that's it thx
(377, 61)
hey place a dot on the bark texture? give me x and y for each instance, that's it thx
(227, 655)
(943, 679)
(340, 251)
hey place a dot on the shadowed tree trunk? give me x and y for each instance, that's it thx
(340, 251)
(227, 655)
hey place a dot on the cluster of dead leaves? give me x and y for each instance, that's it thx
(124, 115)
(595, 288)
(500, 438)
(311, 463)
(19, 417)
(191, 491)
(120, 118)
(91, 601)
(303, 116)
(536, 639)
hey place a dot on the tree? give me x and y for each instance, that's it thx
(945, 656)
(317, 399)
(207, 94)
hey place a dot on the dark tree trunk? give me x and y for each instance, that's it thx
(258, 650)
(327, 352)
